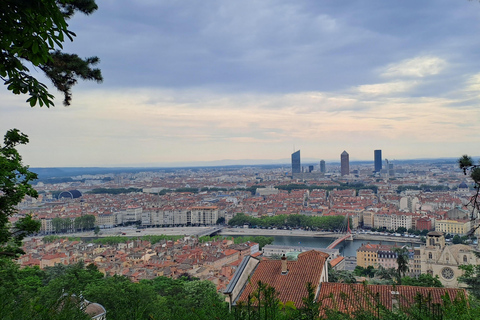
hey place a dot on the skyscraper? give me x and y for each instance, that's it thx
(322, 166)
(344, 164)
(296, 167)
(378, 160)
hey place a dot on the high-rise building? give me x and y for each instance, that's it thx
(390, 169)
(296, 166)
(378, 160)
(322, 166)
(344, 164)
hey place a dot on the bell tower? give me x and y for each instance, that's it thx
(435, 239)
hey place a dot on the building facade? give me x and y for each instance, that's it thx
(461, 227)
(439, 259)
(296, 165)
(378, 160)
(344, 164)
(322, 166)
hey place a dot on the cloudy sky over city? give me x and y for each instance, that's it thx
(187, 82)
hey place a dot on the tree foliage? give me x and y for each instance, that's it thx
(423, 280)
(402, 262)
(471, 277)
(291, 221)
(261, 240)
(33, 33)
(32, 293)
(473, 170)
(340, 276)
(15, 181)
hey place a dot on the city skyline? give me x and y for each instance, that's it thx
(192, 83)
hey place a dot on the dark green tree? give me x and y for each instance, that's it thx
(32, 33)
(457, 239)
(385, 273)
(401, 230)
(311, 307)
(341, 276)
(57, 224)
(402, 262)
(15, 181)
(473, 170)
(423, 280)
(471, 277)
(364, 272)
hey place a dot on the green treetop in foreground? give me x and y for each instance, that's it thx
(32, 293)
(15, 181)
(32, 33)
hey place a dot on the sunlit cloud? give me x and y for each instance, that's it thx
(473, 83)
(417, 67)
(386, 88)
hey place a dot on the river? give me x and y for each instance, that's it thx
(347, 248)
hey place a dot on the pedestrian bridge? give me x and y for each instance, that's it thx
(347, 235)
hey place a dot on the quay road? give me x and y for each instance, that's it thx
(134, 232)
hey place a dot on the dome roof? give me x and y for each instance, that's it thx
(463, 185)
(95, 310)
(72, 194)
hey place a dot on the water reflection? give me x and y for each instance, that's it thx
(347, 248)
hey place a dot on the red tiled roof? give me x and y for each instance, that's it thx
(230, 252)
(335, 261)
(351, 297)
(293, 285)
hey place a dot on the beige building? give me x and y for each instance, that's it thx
(105, 220)
(439, 259)
(368, 219)
(367, 255)
(378, 255)
(392, 221)
(460, 227)
(204, 215)
(46, 225)
(409, 203)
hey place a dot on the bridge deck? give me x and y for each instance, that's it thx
(336, 242)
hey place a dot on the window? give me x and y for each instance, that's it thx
(430, 255)
(447, 273)
(465, 258)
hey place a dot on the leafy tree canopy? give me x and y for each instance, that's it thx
(423, 280)
(32, 33)
(15, 181)
(466, 163)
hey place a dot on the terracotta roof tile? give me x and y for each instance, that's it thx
(293, 285)
(352, 297)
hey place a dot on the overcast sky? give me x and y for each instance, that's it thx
(192, 81)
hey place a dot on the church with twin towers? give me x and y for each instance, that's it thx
(310, 172)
